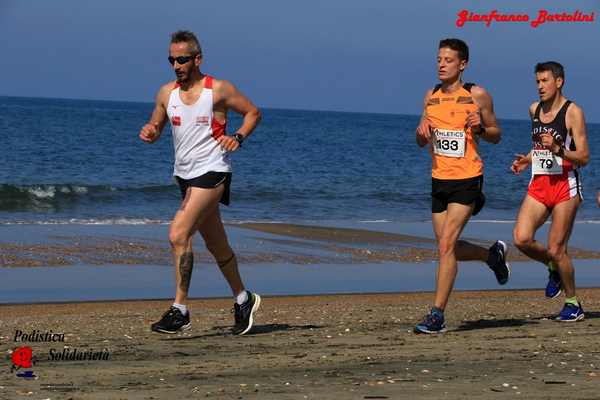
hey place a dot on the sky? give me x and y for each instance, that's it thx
(342, 55)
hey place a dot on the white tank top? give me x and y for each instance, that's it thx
(195, 131)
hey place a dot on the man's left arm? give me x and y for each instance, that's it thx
(233, 99)
(575, 122)
(229, 97)
(484, 123)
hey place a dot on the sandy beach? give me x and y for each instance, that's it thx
(500, 344)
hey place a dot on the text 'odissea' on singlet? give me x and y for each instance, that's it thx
(543, 162)
(454, 149)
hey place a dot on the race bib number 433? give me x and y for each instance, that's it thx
(449, 143)
(543, 162)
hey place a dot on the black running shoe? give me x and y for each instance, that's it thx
(244, 314)
(172, 321)
(497, 261)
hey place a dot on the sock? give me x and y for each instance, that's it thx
(551, 266)
(572, 300)
(437, 311)
(242, 297)
(181, 307)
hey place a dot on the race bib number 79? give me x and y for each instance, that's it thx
(449, 143)
(543, 162)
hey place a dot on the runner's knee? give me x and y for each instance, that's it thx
(446, 246)
(522, 240)
(178, 238)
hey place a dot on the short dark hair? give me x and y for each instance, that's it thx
(456, 45)
(189, 38)
(556, 68)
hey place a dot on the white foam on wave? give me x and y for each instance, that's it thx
(41, 192)
(118, 221)
(252, 221)
(80, 189)
(375, 221)
(92, 221)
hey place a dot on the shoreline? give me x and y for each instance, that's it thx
(282, 296)
(254, 242)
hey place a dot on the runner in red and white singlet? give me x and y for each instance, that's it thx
(554, 179)
(196, 106)
(559, 148)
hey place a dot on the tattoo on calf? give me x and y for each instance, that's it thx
(186, 264)
(223, 264)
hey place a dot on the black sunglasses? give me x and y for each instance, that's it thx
(180, 60)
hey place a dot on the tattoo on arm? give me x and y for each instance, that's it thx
(186, 264)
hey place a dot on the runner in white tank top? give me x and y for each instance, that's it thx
(196, 105)
(195, 134)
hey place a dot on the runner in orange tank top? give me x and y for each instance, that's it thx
(456, 116)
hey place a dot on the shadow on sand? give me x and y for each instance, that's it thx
(256, 330)
(493, 323)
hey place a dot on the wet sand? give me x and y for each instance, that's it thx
(500, 344)
(284, 243)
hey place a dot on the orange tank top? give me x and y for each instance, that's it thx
(454, 148)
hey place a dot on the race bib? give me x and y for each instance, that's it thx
(449, 143)
(543, 162)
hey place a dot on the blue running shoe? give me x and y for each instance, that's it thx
(432, 323)
(570, 313)
(554, 285)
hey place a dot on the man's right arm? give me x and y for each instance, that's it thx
(532, 108)
(152, 130)
(521, 161)
(423, 134)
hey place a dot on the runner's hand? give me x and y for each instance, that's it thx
(598, 199)
(520, 163)
(474, 121)
(424, 130)
(149, 132)
(549, 142)
(228, 143)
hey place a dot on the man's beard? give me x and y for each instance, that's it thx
(185, 77)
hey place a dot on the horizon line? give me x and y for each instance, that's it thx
(264, 107)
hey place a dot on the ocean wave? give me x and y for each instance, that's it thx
(48, 191)
(44, 197)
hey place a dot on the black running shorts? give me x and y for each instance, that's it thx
(462, 191)
(209, 180)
